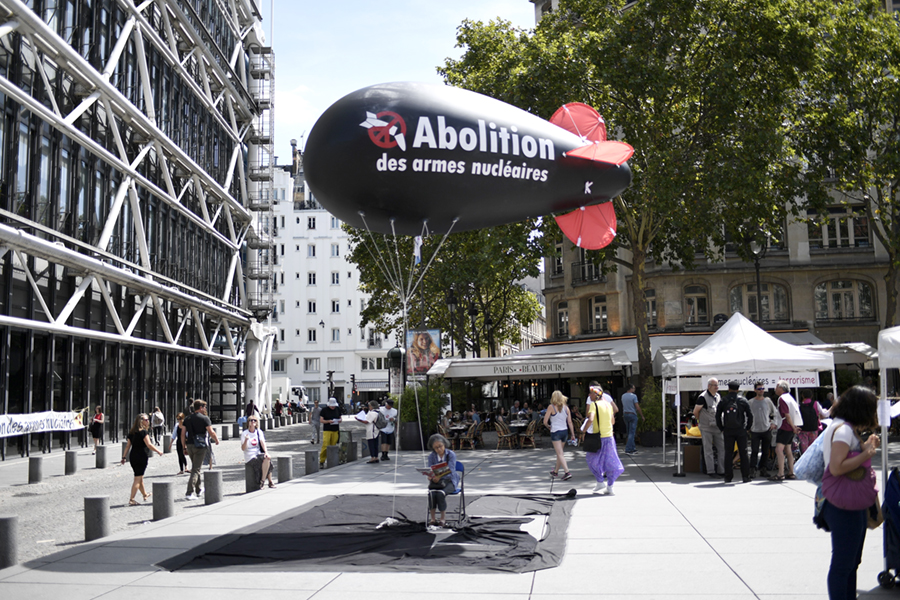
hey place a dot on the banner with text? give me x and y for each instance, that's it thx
(41, 422)
(746, 381)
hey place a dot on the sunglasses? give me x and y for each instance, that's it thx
(253, 420)
(145, 419)
(760, 389)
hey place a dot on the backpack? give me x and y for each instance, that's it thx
(810, 417)
(380, 421)
(732, 418)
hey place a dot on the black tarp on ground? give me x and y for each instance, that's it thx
(340, 534)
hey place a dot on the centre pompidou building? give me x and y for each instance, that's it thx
(135, 215)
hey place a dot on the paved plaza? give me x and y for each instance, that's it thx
(658, 537)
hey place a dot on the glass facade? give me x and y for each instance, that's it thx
(124, 207)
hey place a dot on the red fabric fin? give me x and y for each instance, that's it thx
(590, 227)
(582, 120)
(614, 153)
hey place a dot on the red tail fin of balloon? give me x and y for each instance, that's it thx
(590, 227)
(585, 122)
(614, 153)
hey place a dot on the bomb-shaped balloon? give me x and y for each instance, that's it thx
(406, 157)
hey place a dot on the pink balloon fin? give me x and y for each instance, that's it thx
(582, 120)
(614, 153)
(590, 227)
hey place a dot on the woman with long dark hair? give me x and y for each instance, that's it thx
(141, 447)
(179, 447)
(849, 485)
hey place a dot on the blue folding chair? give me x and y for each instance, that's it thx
(461, 492)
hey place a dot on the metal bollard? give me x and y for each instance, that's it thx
(167, 443)
(226, 433)
(71, 462)
(311, 458)
(251, 483)
(235, 430)
(35, 469)
(163, 500)
(100, 458)
(212, 481)
(96, 517)
(332, 456)
(9, 540)
(285, 468)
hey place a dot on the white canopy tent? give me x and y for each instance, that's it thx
(741, 347)
(888, 358)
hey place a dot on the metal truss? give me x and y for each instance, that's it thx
(240, 105)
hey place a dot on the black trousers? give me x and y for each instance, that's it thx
(740, 437)
(759, 440)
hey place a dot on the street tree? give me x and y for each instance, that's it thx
(850, 121)
(700, 88)
(483, 269)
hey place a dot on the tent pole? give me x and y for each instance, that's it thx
(834, 389)
(679, 463)
(884, 409)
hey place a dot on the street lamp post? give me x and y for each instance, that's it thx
(758, 249)
(451, 306)
(489, 329)
(473, 313)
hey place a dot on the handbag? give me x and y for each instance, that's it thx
(854, 490)
(811, 466)
(876, 517)
(593, 441)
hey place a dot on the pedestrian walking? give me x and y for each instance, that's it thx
(179, 445)
(330, 418)
(734, 418)
(314, 416)
(631, 410)
(603, 462)
(141, 449)
(158, 421)
(196, 437)
(558, 419)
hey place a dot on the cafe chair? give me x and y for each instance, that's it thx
(504, 437)
(527, 436)
(468, 437)
(479, 434)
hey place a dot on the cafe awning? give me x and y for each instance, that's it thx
(531, 366)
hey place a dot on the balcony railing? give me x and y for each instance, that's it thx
(584, 273)
(374, 343)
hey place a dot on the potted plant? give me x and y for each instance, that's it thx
(425, 419)
(650, 429)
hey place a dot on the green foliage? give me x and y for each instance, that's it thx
(701, 88)
(482, 267)
(849, 120)
(651, 398)
(430, 403)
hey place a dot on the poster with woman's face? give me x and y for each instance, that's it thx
(422, 349)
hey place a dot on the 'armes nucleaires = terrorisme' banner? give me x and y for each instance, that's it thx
(11, 425)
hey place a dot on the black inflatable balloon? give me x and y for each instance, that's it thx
(397, 155)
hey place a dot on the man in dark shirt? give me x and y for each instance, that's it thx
(734, 418)
(197, 426)
(330, 417)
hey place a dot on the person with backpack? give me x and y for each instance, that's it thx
(195, 441)
(158, 422)
(811, 411)
(375, 422)
(734, 418)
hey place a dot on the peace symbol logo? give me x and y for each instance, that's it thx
(387, 130)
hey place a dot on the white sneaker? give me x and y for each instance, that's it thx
(201, 492)
(190, 497)
(609, 491)
(600, 487)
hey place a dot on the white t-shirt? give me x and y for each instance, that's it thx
(253, 443)
(371, 430)
(836, 433)
(389, 413)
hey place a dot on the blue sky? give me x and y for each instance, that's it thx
(325, 49)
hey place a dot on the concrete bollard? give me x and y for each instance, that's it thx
(71, 462)
(311, 458)
(125, 445)
(235, 430)
(163, 500)
(212, 481)
(96, 517)
(100, 458)
(332, 456)
(263, 424)
(9, 540)
(226, 433)
(35, 469)
(285, 468)
(167, 443)
(276, 422)
(251, 483)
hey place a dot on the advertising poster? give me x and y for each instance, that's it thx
(423, 348)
